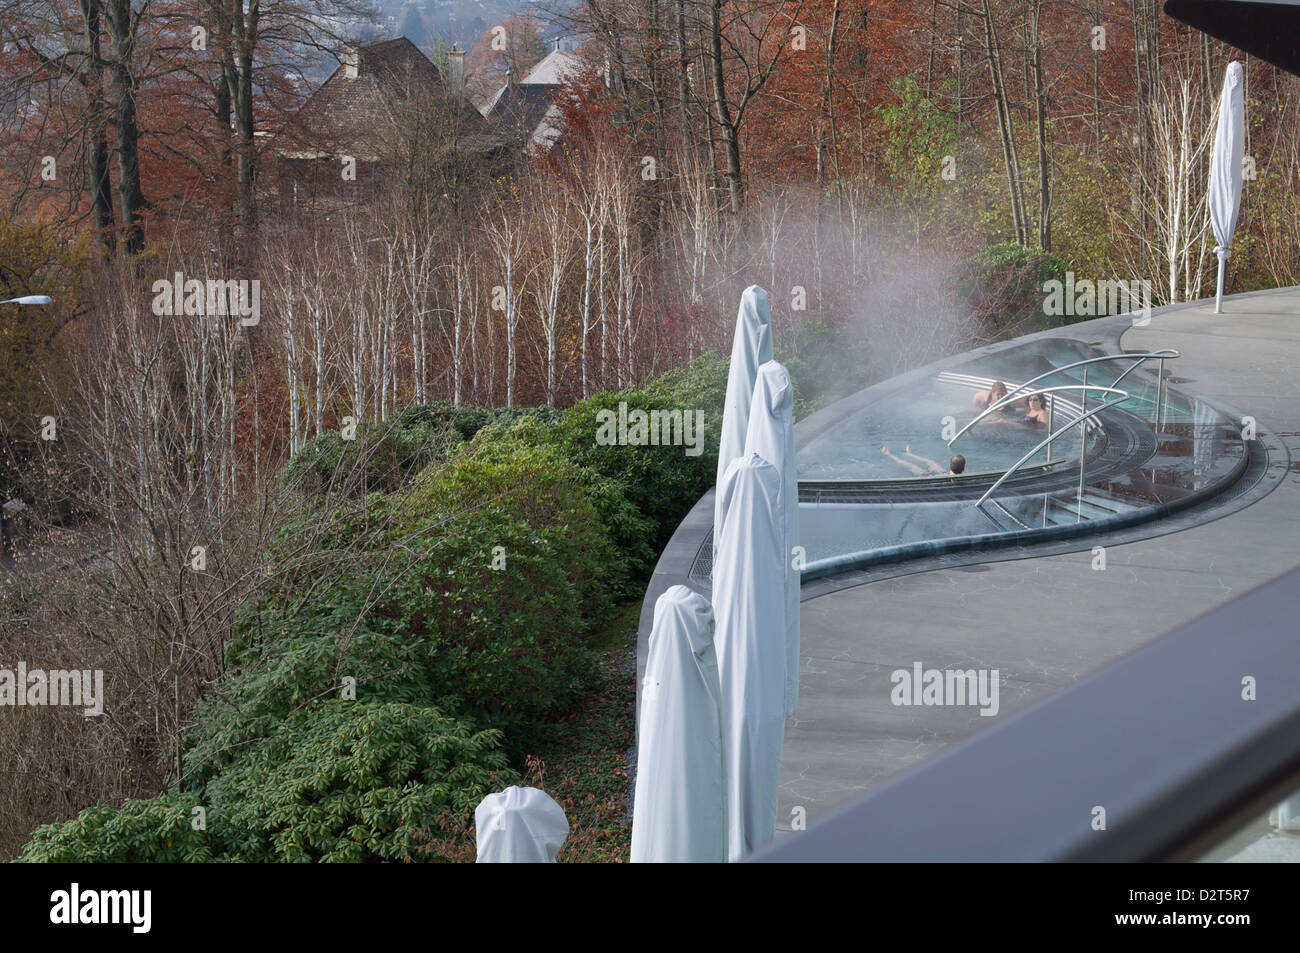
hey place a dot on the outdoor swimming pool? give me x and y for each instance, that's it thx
(852, 451)
(1153, 452)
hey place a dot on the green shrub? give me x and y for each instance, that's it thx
(660, 482)
(627, 559)
(350, 781)
(1003, 283)
(399, 448)
(380, 457)
(532, 485)
(511, 641)
(304, 660)
(157, 830)
(700, 385)
(423, 617)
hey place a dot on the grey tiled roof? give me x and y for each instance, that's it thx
(354, 115)
(519, 108)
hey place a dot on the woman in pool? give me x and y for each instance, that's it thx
(931, 468)
(1037, 416)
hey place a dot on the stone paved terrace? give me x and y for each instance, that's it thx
(1039, 614)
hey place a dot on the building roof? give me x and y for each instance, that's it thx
(518, 110)
(352, 111)
(526, 110)
(555, 69)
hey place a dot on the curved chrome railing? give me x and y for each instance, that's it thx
(1052, 435)
(1015, 394)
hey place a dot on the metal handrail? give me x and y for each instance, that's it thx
(1051, 405)
(1052, 436)
(1162, 355)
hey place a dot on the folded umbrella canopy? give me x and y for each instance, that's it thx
(1225, 170)
(771, 436)
(750, 347)
(679, 814)
(749, 605)
(519, 826)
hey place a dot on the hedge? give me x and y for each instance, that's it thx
(482, 547)
(350, 781)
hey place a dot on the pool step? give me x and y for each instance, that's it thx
(1095, 505)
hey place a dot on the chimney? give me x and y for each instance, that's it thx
(352, 59)
(456, 64)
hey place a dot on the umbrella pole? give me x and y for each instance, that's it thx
(1218, 294)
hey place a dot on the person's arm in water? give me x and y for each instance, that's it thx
(899, 460)
(933, 465)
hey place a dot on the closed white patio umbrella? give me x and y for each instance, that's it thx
(1225, 170)
(751, 346)
(749, 605)
(519, 826)
(771, 436)
(679, 814)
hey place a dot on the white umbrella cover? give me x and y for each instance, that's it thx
(519, 826)
(1225, 170)
(771, 436)
(750, 347)
(679, 814)
(749, 605)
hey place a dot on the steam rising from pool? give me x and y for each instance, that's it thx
(889, 307)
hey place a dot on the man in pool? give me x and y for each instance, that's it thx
(931, 468)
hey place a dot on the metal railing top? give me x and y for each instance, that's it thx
(1015, 393)
(1125, 395)
(1166, 353)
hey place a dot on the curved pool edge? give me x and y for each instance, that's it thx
(864, 559)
